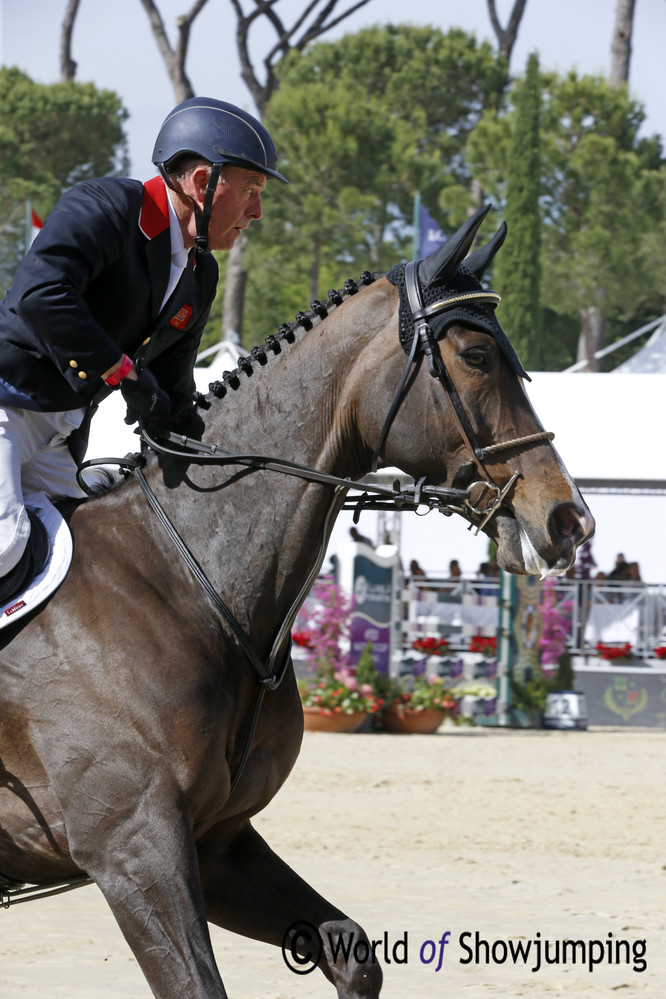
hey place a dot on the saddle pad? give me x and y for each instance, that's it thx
(56, 567)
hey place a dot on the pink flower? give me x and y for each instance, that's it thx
(366, 690)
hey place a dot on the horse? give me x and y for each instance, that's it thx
(150, 709)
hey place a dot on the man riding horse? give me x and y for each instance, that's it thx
(115, 292)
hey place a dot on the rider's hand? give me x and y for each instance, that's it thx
(146, 401)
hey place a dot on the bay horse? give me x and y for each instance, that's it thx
(132, 747)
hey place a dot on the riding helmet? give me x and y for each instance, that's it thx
(220, 133)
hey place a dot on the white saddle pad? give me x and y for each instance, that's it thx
(56, 566)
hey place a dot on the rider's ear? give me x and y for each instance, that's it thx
(444, 261)
(199, 180)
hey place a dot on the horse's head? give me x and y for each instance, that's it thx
(471, 425)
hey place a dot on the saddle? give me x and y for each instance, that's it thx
(45, 564)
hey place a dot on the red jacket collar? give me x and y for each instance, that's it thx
(154, 217)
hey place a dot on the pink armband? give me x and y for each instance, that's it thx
(122, 372)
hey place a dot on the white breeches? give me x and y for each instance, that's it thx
(34, 457)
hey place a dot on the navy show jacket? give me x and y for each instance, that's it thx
(91, 288)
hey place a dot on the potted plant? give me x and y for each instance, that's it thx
(418, 704)
(337, 702)
(430, 645)
(485, 645)
(334, 697)
(617, 653)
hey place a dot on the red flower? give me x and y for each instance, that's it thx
(431, 646)
(483, 645)
(302, 638)
(613, 651)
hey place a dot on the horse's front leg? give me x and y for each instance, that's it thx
(249, 890)
(143, 858)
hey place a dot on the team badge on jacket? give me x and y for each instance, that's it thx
(182, 317)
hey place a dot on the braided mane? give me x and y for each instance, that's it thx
(285, 334)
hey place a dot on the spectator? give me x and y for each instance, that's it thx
(360, 539)
(415, 569)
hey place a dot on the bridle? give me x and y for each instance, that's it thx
(424, 344)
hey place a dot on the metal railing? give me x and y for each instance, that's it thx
(608, 612)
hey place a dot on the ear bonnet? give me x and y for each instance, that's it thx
(453, 290)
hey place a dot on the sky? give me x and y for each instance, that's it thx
(114, 48)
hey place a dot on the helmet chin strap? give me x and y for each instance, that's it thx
(201, 216)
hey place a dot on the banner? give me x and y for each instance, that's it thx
(372, 579)
(430, 234)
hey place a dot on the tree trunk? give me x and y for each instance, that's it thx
(592, 336)
(234, 289)
(67, 64)
(621, 43)
(506, 37)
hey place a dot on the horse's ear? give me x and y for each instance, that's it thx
(444, 261)
(478, 261)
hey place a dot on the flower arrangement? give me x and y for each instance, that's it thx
(485, 646)
(427, 693)
(611, 652)
(430, 646)
(333, 686)
(339, 693)
(474, 688)
(660, 652)
(556, 627)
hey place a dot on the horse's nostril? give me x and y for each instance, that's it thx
(571, 524)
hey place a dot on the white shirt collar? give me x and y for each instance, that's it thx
(178, 251)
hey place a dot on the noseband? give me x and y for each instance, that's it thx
(424, 343)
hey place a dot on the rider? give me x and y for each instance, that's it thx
(115, 292)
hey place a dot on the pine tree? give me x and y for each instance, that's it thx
(518, 271)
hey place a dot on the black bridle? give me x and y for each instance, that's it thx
(424, 344)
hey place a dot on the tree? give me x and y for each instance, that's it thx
(362, 124)
(599, 199)
(518, 267)
(50, 138)
(621, 43)
(506, 37)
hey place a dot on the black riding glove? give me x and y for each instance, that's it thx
(146, 402)
(184, 420)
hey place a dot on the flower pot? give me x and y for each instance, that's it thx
(315, 721)
(416, 722)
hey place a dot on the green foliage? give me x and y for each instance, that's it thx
(531, 695)
(518, 268)
(601, 195)
(361, 124)
(50, 138)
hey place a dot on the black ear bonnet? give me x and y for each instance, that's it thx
(450, 281)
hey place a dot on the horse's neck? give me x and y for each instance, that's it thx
(259, 537)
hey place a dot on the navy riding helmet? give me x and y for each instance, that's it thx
(220, 133)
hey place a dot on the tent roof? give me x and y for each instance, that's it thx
(608, 427)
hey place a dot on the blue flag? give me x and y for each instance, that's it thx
(430, 235)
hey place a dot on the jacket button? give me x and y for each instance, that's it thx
(73, 364)
(82, 374)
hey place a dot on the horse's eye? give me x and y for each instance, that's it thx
(475, 357)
